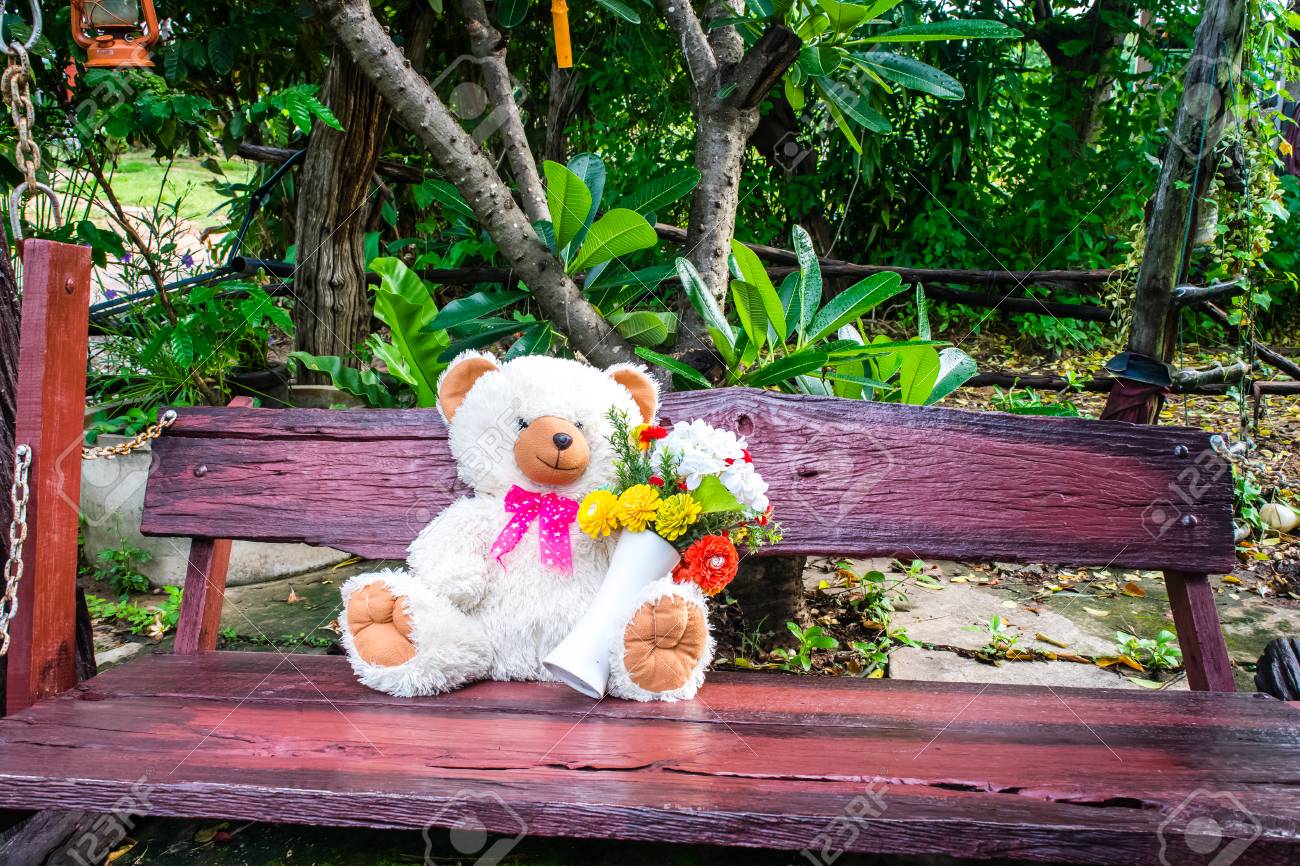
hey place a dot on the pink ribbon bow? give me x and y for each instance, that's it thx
(554, 515)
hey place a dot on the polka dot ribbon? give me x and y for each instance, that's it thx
(554, 515)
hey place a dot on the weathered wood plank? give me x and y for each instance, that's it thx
(758, 761)
(848, 478)
(1205, 652)
(51, 397)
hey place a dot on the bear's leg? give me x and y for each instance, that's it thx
(404, 639)
(665, 646)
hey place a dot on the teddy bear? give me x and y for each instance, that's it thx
(499, 578)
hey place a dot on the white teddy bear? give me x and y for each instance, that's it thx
(481, 598)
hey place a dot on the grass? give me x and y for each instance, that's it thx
(138, 177)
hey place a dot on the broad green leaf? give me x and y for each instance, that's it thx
(793, 94)
(853, 103)
(910, 73)
(818, 60)
(852, 303)
(619, 232)
(714, 497)
(880, 7)
(474, 306)
(546, 231)
(534, 341)
(844, 17)
(674, 366)
(808, 293)
(955, 367)
(749, 307)
(449, 197)
(489, 334)
(590, 169)
(365, 384)
(789, 295)
(511, 13)
(922, 313)
(704, 303)
(568, 200)
(917, 375)
(936, 31)
(750, 269)
(837, 376)
(657, 194)
(644, 327)
(403, 303)
(843, 125)
(618, 274)
(627, 13)
(782, 369)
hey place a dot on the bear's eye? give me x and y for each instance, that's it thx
(522, 423)
(577, 424)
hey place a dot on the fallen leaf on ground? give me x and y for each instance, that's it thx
(1132, 589)
(1053, 641)
(1095, 612)
(294, 598)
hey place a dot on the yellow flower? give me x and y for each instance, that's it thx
(637, 506)
(641, 443)
(676, 514)
(597, 515)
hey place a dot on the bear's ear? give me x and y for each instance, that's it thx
(459, 378)
(642, 386)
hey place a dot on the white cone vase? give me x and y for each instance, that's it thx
(581, 661)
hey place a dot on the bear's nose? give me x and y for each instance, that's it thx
(562, 440)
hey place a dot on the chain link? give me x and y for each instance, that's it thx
(18, 497)
(16, 85)
(150, 433)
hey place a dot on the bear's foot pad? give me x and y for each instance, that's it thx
(663, 643)
(380, 626)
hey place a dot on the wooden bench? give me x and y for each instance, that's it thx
(815, 766)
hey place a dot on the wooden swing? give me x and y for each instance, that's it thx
(811, 765)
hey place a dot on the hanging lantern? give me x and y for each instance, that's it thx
(113, 32)
(560, 20)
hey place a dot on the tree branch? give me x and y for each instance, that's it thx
(463, 161)
(762, 67)
(700, 61)
(490, 48)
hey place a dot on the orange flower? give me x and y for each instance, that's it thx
(710, 562)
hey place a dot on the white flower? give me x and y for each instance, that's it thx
(744, 483)
(702, 450)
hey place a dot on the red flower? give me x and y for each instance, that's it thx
(748, 459)
(765, 516)
(656, 481)
(681, 485)
(649, 434)
(710, 562)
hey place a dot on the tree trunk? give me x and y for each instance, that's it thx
(1185, 174)
(331, 315)
(564, 99)
(769, 591)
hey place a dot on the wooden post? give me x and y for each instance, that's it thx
(51, 404)
(1205, 653)
(1186, 170)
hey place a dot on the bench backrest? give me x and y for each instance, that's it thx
(847, 477)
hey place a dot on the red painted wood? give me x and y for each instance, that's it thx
(848, 478)
(1205, 653)
(51, 400)
(996, 772)
(205, 585)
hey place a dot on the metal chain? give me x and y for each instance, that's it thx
(150, 433)
(16, 85)
(18, 497)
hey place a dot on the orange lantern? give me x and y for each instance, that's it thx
(114, 33)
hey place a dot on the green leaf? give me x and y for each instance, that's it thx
(854, 104)
(511, 13)
(627, 13)
(403, 303)
(619, 232)
(534, 341)
(590, 169)
(749, 307)
(922, 314)
(789, 295)
(819, 60)
(221, 51)
(782, 369)
(935, 31)
(705, 304)
(569, 201)
(808, 293)
(751, 270)
(360, 383)
(880, 7)
(644, 327)
(657, 194)
(844, 17)
(182, 345)
(855, 301)
(910, 73)
(474, 306)
(672, 365)
(955, 367)
(449, 197)
(917, 375)
(714, 497)
(489, 334)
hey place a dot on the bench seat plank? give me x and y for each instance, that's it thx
(761, 760)
(849, 478)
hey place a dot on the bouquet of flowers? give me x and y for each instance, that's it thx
(695, 487)
(683, 499)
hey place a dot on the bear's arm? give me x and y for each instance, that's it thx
(450, 555)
